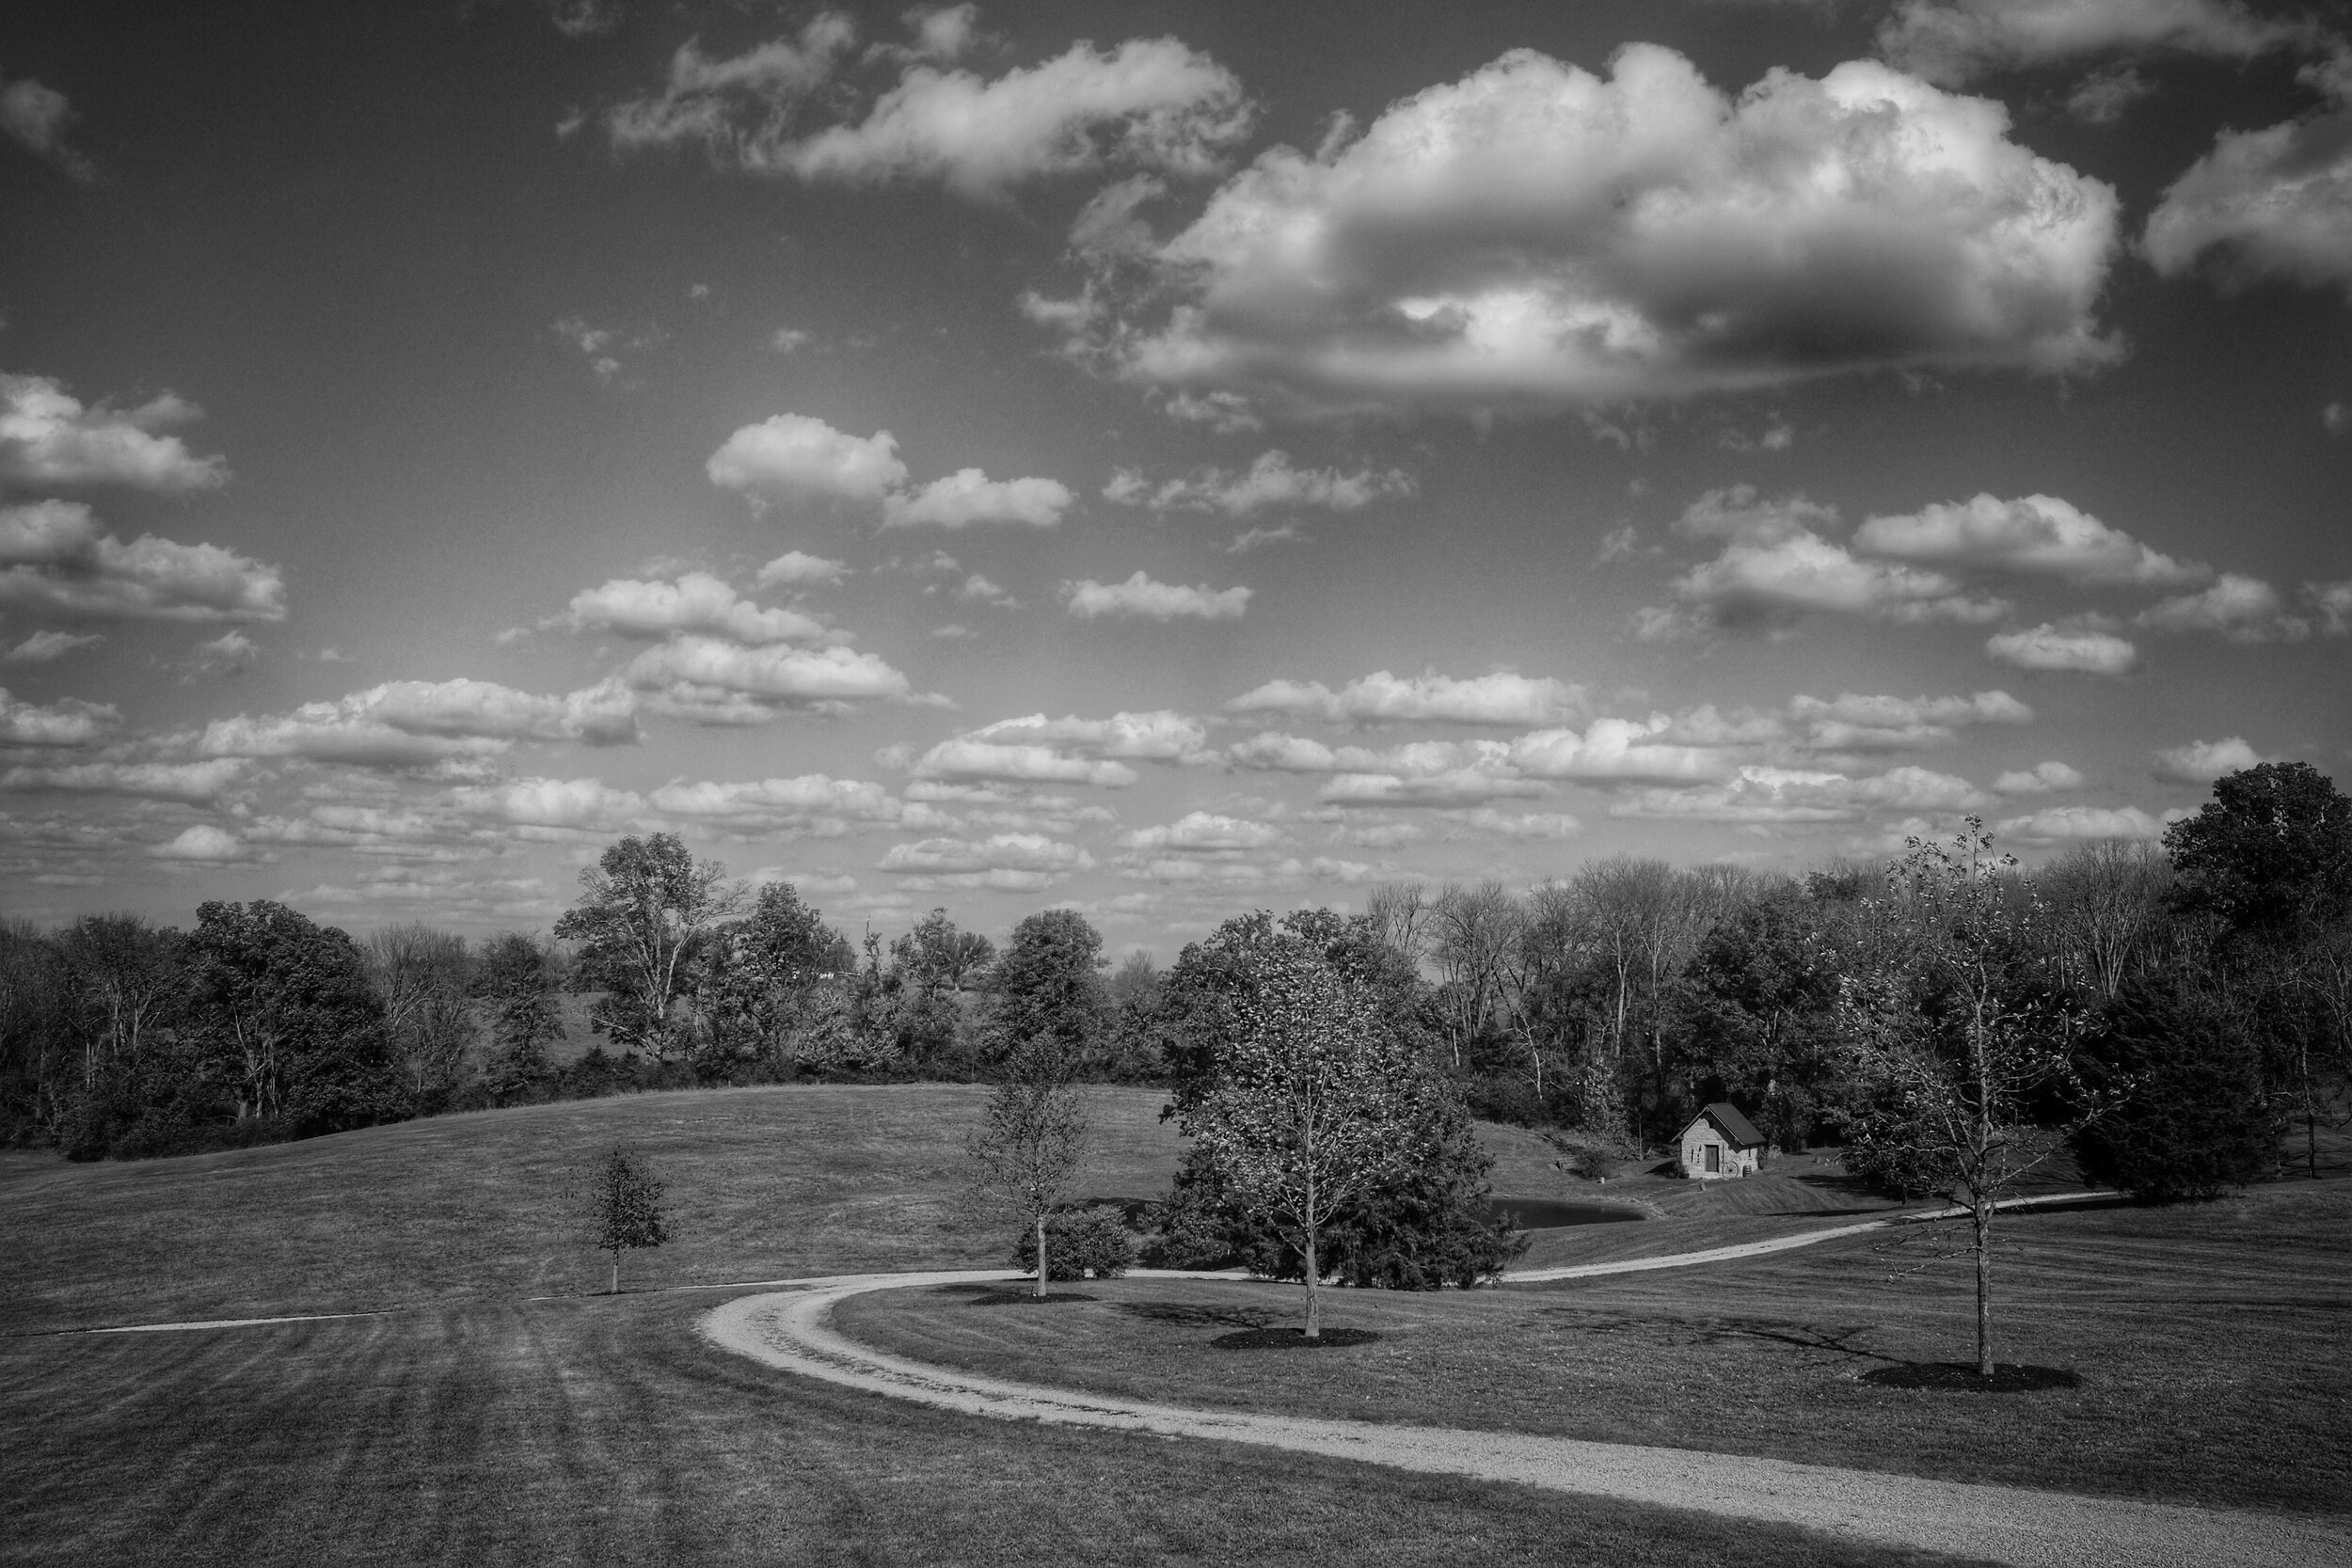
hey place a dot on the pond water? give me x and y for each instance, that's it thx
(1552, 1213)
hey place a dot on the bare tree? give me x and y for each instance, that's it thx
(1399, 914)
(2109, 902)
(125, 977)
(422, 976)
(1474, 935)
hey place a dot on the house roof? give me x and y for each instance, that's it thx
(1739, 1129)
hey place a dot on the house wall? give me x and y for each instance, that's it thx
(1736, 1161)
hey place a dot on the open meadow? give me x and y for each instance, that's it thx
(496, 1411)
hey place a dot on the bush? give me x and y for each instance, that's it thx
(2193, 1120)
(1080, 1241)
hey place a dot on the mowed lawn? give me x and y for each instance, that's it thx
(2210, 1341)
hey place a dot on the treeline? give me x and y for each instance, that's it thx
(2200, 994)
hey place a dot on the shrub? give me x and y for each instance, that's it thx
(1080, 1241)
(2193, 1120)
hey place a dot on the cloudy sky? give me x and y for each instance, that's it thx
(1165, 459)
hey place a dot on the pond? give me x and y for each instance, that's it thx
(1552, 1213)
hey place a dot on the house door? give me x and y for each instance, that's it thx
(1714, 1159)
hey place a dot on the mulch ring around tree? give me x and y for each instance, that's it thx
(1293, 1339)
(1963, 1377)
(1017, 1297)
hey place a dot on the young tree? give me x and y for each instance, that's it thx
(646, 909)
(1028, 1151)
(1310, 1102)
(1956, 1023)
(623, 1206)
(514, 977)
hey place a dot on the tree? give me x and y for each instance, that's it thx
(514, 977)
(1954, 1022)
(1028, 1149)
(623, 1206)
(646, 909)
(1047, 1005)
(421, 977)
(2195, 1121)
(1310, 1104)
(287, 1012)
(1760, 1001)
(760, 984)
(939, 957)
(125, 977)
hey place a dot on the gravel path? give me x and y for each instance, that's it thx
(2011, 1525)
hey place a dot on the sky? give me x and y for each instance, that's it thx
(1163, 460)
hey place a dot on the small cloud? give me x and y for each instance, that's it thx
(978, 590)
(954, 633)
(36, 116)
(1141, 598)
(796, 568)
(336, 656)
(231, 653)
(2053, 647)
(790, 340)
(205, 844)
(44, 647)
(2101, 98)
(2201, 762)
(2041, 779)
(607, 348)
(2336, 417)
(1261, 538)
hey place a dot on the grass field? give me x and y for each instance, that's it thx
(474, 1424)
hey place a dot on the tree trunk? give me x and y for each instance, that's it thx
(1984, 1286)
(1041, 1256)
(1314, 1300)
(616, 1274)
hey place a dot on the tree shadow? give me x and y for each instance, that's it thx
(1961, 1377)
(1014, 1296)
(1290, 1337)
(1184, 1314)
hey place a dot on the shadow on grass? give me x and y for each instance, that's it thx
(1287, 1338)
(1017, 1297)
(1184, 1314)
(1963, 1377)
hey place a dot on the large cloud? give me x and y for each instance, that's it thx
(193, 782)
(711, 681)
(1763, 794)
(56, 561)
(1953, 40)
(559, 806)
(413, 724)
(799, 457)
(36, 115)
(2201, 762)
(696, 602)
(1535, 230)
(1145, 598)
(2242, 608)
(968, 495)
(1271, 481)
(1499, 697)
(1775, 568)
(49, 437)
(2270, 203)
(67, 721)
(1852, 722)
(1150, 103)
(2033, 533)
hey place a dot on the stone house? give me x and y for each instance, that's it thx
(1721, 1142)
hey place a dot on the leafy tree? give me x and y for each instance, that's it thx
(1047, 1006)
(289, 1016)
(1028, 1151)
(938, 957)
(1954, 1025)
(1310, 1104)
(764, 975)
(646, 911)
(2192, 1120)
(623, 1206)
(514, 977)
(124, 978)
(1760, 1000)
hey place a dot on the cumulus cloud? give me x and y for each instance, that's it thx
(1150, 103)
(415, 723)
(192, 783)
(231, 653)
(36, 116)
(2242, 608)
(207, 844)
(1549, 825)
(1776, 568)
(1158, 735)
(1272, 481)
(1852, 722)
(1021, 762)
(49, 438)
(1141, 598)
(1019, 863)
(968, 495)
(1499, 697)
(2333, 601)
(1757, 793)
(696, 602)
(794, 456)
(45, 647)
(67, 721)
(2081, 650)
(2274, 203)
(56, 561)
(813, 802)
(797, 569)
(1203, 833)
(1535, 231)
(1453, 787)
(1955, 41)
(2043, 778)
(2201, 762)
(2055, 824)
(2041, 535)
(709, 681)
(564, 805)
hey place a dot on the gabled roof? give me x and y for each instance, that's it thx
(1736, 1127)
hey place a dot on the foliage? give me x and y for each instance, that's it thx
(514, 979)
(286, 1018)
(1093, 1239)
(1047, 1008)
(623, 1206)
(1025, 1153)
(761, 986)
(646, 910)
(2193, 1120)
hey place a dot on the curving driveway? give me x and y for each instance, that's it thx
(792, 1331)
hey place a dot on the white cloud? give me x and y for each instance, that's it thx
(34, 117)
(2035, 533)
(1203, 833)
(977, 589)
(575, 804)
(1027, 762)
(44, 647)
(67, 721)
(2270, 203)
(195, 783)
(813, 801)
(2053, 824)
(55, 560)
(204, 843)
(1454, 787)
(1534, 231)
(1499, 697)
(2043, 778)
(696, 602)
(2104, 96)
(2048, 646)
(2201, 762)
(1259, 538)
(1142, 597)
(1953, 40)
(796, 568)
(2333, 600)
(794, 456)
(1775, 568)
(413, 724)
(1158, 736)
(1527, 825)
(1764, 794)
(968, 495)
(1272, 481)
(2242, 608)
(1852, 722)
(603, 347)
(1016, 862)
(714, 682)
(1611, 749)
(48, 436)
(231, 653)
(1150, 103)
